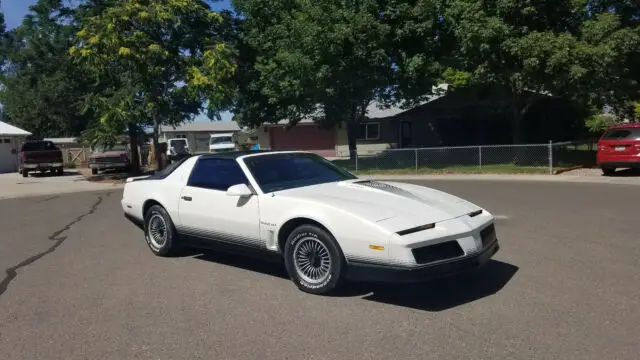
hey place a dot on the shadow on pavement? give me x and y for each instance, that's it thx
(443, 294)
(435, 295)
(67, 172)
(626, 173)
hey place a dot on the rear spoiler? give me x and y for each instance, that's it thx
(136, 178)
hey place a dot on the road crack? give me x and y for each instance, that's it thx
(12, 272)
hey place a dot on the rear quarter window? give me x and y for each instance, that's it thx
(622, 134)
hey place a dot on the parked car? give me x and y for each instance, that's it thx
(40, 155)
(117, 157)
(222, 142)
(177, 149)
(327, 224)
(619, 147)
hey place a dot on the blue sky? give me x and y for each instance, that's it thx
(15, 10)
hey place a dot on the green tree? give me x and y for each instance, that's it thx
(328, 60)
(157, 62)
(580, 50)
(41, 87)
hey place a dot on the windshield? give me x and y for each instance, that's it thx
(221, 140)
(275, 172)
(179, 143)
(622, 134)
(38, 146)
(117, 147)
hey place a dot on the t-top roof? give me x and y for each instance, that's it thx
(237, 154)
(6, 129)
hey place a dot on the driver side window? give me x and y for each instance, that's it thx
(216, 174)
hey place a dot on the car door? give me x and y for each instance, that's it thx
(208, 213)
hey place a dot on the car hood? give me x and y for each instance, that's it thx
(397, 205)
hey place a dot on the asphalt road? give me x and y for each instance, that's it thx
(81, 284)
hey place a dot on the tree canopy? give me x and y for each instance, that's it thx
(101, 67)
(158, 62)
(329, 60)
(581, 50)
(41, 86)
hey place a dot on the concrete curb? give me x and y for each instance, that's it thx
(524, 177)
(62, 191)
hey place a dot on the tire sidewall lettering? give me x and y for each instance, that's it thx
(294, 241)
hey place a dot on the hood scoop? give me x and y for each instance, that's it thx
(388, 188)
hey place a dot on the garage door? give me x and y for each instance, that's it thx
(7, 159)
(302, 137)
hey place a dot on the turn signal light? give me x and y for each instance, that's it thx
(376, 247)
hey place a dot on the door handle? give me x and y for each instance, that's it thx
(186, 198)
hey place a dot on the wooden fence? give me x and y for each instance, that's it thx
(79, 156)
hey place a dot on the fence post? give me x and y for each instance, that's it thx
(550, 157)
(416, 154)
(480, 156)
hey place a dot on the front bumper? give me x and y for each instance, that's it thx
(42, 166)
(101, 166)
(387, 273)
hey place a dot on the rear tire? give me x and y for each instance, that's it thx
(314, 260)
(60, 171)
(160, 232)
(25, 172)
(608, 171)
(94, 171)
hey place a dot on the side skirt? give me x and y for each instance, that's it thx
(207, 243)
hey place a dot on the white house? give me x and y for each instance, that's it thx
(11, 138)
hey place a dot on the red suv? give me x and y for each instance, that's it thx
(619, 147)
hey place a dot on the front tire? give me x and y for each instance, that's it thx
(94, 171)
(25, 172)
(314, 260)
(159, 231)
(608, 171)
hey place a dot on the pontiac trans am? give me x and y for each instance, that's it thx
(326, 224)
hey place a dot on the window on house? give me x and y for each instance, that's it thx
(6, 141)
(369, 131)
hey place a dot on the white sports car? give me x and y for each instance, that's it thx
(327, 224)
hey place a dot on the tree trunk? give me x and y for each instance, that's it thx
(516, 121)
(520, 108)
(156, 145)
(352, 128)
(135, 154)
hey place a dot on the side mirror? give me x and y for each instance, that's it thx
(239, 190)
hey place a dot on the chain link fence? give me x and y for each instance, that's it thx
(526, 158)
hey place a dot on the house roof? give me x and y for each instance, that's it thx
(69, 140)
(6, 129)
(203, 127)
(376, 110)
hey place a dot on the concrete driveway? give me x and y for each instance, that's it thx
(80, 283)
(13, 185)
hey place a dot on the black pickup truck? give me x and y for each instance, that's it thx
(40, 155)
